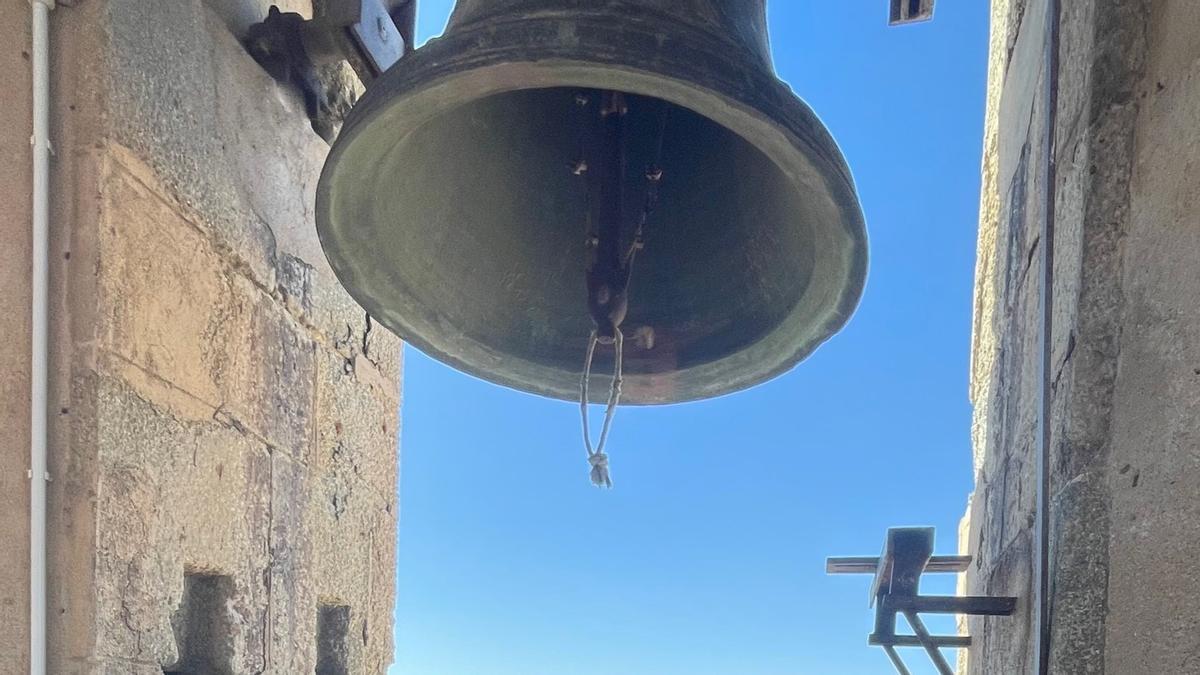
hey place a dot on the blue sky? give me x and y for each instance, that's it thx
(708, 557)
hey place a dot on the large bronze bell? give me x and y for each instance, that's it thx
(457, 205)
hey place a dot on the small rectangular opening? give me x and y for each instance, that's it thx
(333, 645)
(910, 11)
(203, 626)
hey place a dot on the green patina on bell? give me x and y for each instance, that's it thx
(449, 210)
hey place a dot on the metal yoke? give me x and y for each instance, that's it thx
(370, 35)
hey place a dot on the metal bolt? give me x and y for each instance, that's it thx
(381, 26)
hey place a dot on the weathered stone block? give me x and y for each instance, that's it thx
(1005, 644)
(16, 238)
(173, 497)
(163, 99)
(357, 418)
(174, 309)
(291, 572)
(191, 320)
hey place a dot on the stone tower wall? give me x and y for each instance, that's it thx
(1125, 428)
(224, 417)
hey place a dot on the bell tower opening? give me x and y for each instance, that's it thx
(333, 645)
(203, 626)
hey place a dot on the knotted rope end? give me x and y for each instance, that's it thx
(600, 477)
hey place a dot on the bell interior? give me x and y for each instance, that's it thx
(483, 224)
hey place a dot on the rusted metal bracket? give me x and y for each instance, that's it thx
(907, 554)
(370, 35)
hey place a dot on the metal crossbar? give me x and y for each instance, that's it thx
(895, 590)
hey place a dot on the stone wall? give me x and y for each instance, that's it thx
(15, 189)
(1126, 355)
(224, 437)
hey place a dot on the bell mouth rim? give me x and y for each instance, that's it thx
(432, 81)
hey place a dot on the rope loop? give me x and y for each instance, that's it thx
(612, 103)
(596, 456)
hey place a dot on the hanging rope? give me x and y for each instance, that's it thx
(596, 456)
(614, 307)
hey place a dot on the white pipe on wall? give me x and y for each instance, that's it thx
(39, 361)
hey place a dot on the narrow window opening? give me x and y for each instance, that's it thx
(203, 626)
(333, 645)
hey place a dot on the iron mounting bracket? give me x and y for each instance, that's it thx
(907, 554)
(370, 35)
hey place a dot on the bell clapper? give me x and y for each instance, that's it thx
(609, 269)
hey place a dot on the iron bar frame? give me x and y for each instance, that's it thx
(895, 590)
